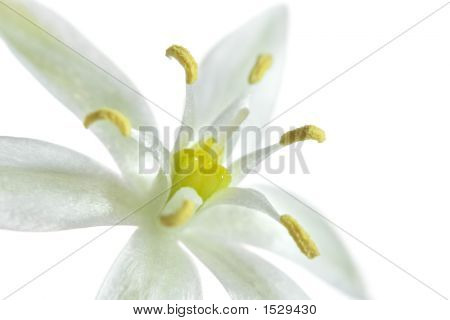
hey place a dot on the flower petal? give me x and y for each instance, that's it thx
(243, 197)
(76, 73)
(223, 74)
(245, 226)
(46, 187)
(152, 266)
(243, 274)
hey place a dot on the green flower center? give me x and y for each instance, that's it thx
(199, 168)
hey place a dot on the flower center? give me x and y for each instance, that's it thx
(199, 168)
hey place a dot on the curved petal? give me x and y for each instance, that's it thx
(245, 226)
(152, 266)
(76, 73)
(46, 187)
(243, 274)
(243, 197)
(224, 72)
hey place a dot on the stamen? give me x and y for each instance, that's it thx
(228, 122)
(240, 117)
(249, 162)
(115, 116)
(308, 132)
(300, 236)
(179, 217)
(227, 116)
(185, 58)
(229, 132)
(263, 63)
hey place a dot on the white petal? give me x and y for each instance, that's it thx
(243, 274)
(224, 72)
(47, 187)
(152, 266)
(81, 85)
(249, 162)
(248, 198)
(233, 223)
(334, 263)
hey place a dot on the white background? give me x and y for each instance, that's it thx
(382, 174)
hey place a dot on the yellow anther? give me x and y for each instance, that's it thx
(185, 58)
(308, 132)
(181, 216)
(115, 116)
(241, 116)
(262, 64)
(300, 236)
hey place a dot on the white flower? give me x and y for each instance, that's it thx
(45, 187)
